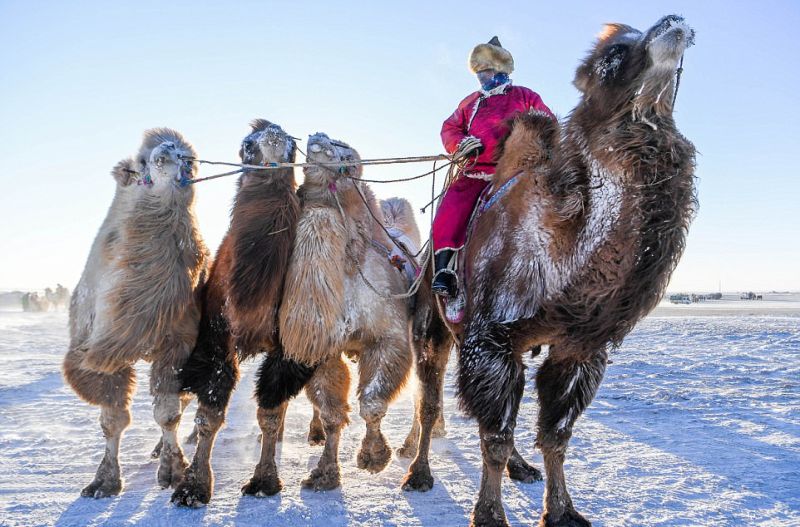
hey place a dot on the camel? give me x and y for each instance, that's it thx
(138, 299)
(242, 295)
(330, 308)
(575, 243)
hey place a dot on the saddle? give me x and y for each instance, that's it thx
(454, 307)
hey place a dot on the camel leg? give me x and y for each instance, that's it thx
(113, 394)
(191, 438)
(165, 387)
(383, 370)
(520, 470)
(490, 384)
(328, 390)
(211, 373)
(566, 383)
(431, 357)
(316, 433)
(278, 380)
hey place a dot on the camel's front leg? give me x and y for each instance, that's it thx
(113, 393)
(165, 386)
(279, 379)
(490, 384)
(327, 391)
(566, 383)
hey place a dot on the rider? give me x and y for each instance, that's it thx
(475, 127)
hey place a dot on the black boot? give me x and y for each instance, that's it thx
(445, 281)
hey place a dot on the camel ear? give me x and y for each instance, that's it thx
(124, 172)
(259, 124)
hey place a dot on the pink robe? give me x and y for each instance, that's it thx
(483, 115)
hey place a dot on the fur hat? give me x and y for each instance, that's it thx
(491, 56)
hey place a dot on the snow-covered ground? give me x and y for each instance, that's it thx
(696, 423)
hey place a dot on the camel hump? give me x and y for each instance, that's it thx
(398, 214)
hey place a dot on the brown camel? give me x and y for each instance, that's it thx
(138, 298)
(579, 250)
(241, 298)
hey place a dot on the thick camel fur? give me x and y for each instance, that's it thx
(138, 298)
(575, 254)
(241, 299)
(329, 308)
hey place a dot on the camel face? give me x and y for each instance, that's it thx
(627, 66)
(323, 149)
(270, 145)
(168, 166)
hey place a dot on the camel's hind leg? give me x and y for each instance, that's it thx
(383, 370)
(431, 356)
(113, 394)
(279, 379)
(316, 432)
(567, 382)
(327, 391)
(191, 438)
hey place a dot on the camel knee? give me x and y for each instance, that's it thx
(167, 411)
(372, 409)
(114, 420)
(497, 448)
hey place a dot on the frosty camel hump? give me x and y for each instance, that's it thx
(138, 299)
(590, 237)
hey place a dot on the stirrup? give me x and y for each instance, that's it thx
(445, 283)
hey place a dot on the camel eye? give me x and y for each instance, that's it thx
(610, 63)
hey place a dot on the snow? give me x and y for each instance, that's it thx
(696, 423)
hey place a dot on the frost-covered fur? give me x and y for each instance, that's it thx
(328, 308)
(138, 299)
(577, 252)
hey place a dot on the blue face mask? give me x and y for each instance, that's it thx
(498, 79)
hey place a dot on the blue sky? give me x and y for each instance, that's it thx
(82, 80)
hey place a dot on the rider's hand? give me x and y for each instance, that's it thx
(468, 145)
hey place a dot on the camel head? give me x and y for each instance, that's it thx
(267, 143)
(630, 71)
(166, 161)
(335, 157)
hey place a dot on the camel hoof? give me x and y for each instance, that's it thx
(323, 479)
(491, 515)
(102, 488)
(523, 472)
(191, 493)
(316, 437)
(374, 455)
(407, 451)
(156, 453)
(171, 470)
(570, 518)
(418, 479)
(438, 430)
(264, 486)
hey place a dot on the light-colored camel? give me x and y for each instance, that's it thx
(329, 309)
(138, 299)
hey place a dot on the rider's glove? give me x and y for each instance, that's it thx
(469, 145)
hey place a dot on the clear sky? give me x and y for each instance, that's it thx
(80, 81)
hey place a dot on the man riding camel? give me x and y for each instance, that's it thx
(476, 127)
